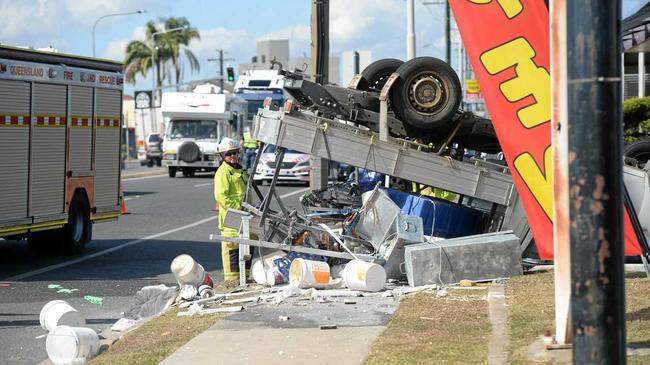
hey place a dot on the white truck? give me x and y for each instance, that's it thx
(255, 86)
(60, 118)
(195, 122)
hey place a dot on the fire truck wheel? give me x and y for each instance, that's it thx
(171, 171)
(78, 231)
(374, 76)
(427, 94)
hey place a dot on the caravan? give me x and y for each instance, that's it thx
(195, 122)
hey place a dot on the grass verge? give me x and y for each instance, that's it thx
(430, 330)
(531, 313)
(155, 340)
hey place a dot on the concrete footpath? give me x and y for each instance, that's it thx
(264, 335)
(224, 344)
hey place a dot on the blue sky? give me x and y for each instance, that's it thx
(376, 25)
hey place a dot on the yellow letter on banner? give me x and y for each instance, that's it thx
(539, 182)
(512, 8)
(530, 79)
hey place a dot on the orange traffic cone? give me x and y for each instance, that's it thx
(216, 207)
(122, 202)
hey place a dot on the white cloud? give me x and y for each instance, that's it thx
(298, 33)
(353, 20)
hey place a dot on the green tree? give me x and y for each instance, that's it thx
(167, 49)
(636, 118)
(176, 44)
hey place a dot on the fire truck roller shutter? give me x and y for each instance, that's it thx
(14, 149)
(48, 149)
(107, 147)
(81, 133)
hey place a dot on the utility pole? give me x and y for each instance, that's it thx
(595, 181)
(220, 60)
(447, 34)
(320, 9)
(410, 30)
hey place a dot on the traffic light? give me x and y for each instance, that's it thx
(231, 74)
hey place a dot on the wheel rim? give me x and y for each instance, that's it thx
(77, 227)
(426, 93)
(641, 158)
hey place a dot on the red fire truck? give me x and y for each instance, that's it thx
(59, 146)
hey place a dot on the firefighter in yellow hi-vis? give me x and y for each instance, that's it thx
(229, 189)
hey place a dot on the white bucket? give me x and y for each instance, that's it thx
(71, 345)
(187, 271)
(260, 265)
(309, 274)
(365, 276)
(57, 313)
(274, 276)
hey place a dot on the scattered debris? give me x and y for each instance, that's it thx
(123, 324)
(5, 285)
(54, 286)
(66, 291)
(349, 301)
(328, 326)
(94, 300)
(428, 318)
(283, 318)
(150, 301)
(202, 312)
(467, 283)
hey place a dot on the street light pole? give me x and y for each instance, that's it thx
(153, 73)
(111, 15)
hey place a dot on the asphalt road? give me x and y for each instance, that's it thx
(168, 217)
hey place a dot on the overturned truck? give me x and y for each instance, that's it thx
(401, 120)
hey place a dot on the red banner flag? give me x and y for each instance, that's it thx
(507, 42)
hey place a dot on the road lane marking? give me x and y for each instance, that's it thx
(200, 185)
(107, 251)
(127, 244)
(143, 178)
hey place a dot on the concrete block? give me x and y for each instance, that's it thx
(480, 257)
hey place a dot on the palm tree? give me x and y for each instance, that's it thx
(177, 42)
(167, 50)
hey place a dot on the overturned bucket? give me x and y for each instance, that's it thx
(187, 271)
(364, 276)
(261, 265)
(71, 345)
(307, 274)
(57, 313)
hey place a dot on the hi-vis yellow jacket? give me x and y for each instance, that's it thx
(229, 191)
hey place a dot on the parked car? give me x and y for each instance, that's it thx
(295, 166)
(152, 151)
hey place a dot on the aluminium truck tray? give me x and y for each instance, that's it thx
(331, 139)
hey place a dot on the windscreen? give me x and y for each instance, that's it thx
(194, 129)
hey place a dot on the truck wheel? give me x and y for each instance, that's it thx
(158, 162)
(188, 173)
(78, 231)
(171, 171)
(150, 162)
(640, 151)
(427, 93)
(374, 76)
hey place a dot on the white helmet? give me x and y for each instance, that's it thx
(228, 144)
